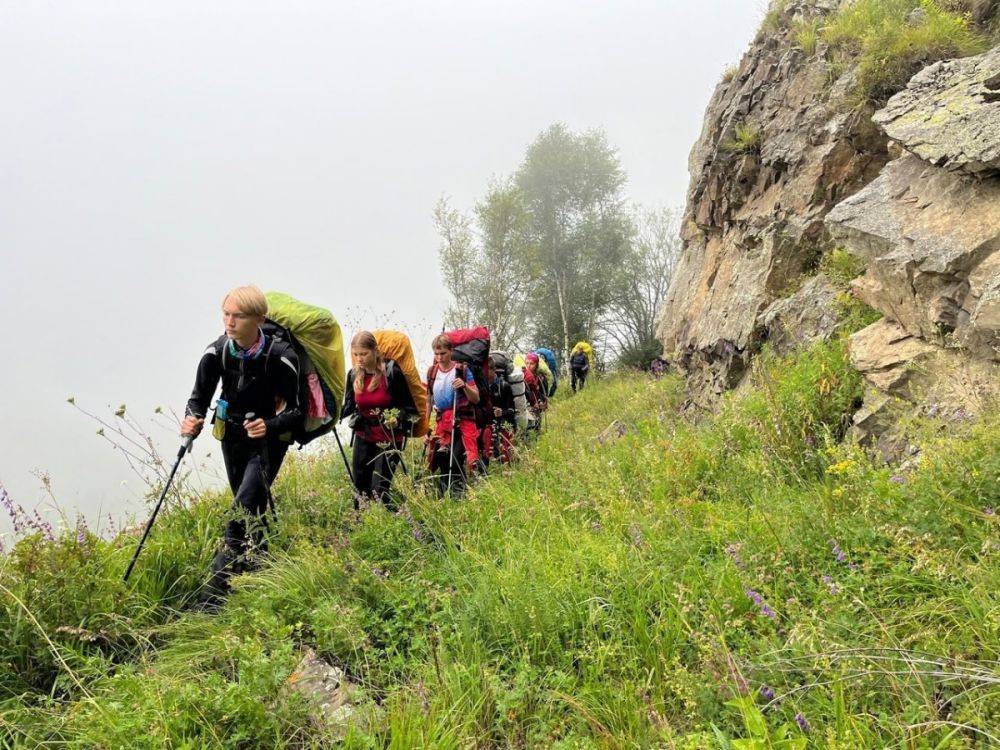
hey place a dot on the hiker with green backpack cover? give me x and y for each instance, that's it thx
(272, 391)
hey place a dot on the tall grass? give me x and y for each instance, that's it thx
(747, 579)
(893, 39)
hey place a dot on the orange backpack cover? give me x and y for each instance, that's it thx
(395, 345)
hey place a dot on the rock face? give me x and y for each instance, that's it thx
(931, 235)
(789, 165)
(780, 147)
(932, 241)
(949, 114)
(808, 315)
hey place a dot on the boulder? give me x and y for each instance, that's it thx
(327, 689)
(931, 239)
(901, 370)
(949, 114)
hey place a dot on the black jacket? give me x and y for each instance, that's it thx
(250, 385)
(399, 393)
(503, 398)
(579, 362)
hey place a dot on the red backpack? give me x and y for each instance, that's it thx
(471, 349)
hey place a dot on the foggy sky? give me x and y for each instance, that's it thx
(154, 155)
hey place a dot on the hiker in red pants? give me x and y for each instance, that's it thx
(452, 393)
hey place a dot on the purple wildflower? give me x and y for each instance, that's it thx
(989, 511)
(45, 527)
(417, 533)
(837, 551)
(830, 584)
(766, 693)
(897, 479)
(801, 721)
(733, 550)
(761, 604)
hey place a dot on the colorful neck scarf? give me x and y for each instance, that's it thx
(252, 353)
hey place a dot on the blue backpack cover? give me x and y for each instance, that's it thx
(550, 359)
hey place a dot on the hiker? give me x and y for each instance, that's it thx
(549, 369)
(534, 392)
(579, 366)
(498, 437)
(543, 373)
(658, 367)
(452, 393)
(254, 417)
(381, 412)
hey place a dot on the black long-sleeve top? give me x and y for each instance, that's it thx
(257, 386)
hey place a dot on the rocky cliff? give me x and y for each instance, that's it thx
(792, 163)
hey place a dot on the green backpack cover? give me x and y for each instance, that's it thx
(318, 333)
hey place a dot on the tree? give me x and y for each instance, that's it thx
(629, 321)
(571, 189)
(486, 263)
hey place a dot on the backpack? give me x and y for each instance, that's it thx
(315, 335)
(472, 349)
(395, 345)
(503, 365)
(550, 359)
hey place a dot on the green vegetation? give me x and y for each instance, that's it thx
(746, 139)
(893, 39)
(841, 265)
(806, 35)
(750, 580)
(772, 17)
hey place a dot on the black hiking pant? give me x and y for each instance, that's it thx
(373, 466)
(251, 467)
(578, 376)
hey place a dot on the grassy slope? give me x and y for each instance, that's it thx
(632, 587)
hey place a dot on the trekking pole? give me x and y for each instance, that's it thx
(185, 448)
(454, 426)
(343, 455)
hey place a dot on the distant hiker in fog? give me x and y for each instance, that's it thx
(579, 367)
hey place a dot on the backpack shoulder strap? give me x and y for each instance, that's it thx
(267, 354)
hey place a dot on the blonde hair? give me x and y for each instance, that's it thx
(249, 299)
(442, 341)
(367, 340)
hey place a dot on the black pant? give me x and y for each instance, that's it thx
(251, 467)
(578, 376)
(373, 467)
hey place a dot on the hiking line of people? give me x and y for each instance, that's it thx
(283, 379)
